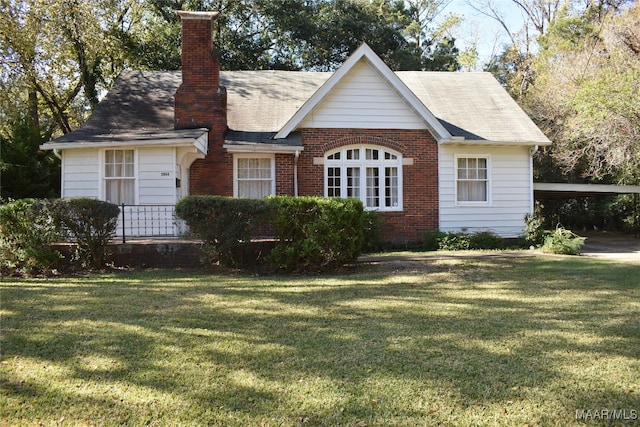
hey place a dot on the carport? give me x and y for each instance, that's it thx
(544, 190)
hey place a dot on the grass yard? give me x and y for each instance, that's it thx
(454, 342)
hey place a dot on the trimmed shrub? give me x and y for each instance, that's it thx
(92, 224)
(316, 233)
(27, 230)
(485, 240)
(225, 225)
(439, 240)
(563, 241)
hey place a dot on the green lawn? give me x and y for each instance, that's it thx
(494, 341)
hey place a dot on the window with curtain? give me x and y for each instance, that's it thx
(369, 173)
(254, 177)
(472, 179)
(119, 176)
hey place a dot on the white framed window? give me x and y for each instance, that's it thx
(120, 176)
(254, 176)
(370, 173)
(472, 179)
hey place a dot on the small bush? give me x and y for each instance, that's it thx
(92, 224)
(27, 229)
(438, 240)
(455, 242)
(225, 225)
(563, 241)
(431, 240)
(485, 240)
(316, 233)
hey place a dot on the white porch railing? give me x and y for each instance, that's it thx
(137, 221)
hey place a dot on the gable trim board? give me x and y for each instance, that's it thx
(295, 118)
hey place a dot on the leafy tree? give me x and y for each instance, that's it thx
(586, 93)
(298, 34)
(513, 70)
(26, 171)
(58, 57)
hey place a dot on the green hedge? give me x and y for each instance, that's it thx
(27, 229)
(438, 240)
(316, 233)
(225, 225)
(311, 233)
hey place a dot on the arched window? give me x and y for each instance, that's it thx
(370, 173)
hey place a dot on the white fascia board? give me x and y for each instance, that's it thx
(364, 51)
(262, 148)
(587, 188)
(200, 143)
(462, 141)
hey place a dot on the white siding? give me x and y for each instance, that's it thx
(510, 191)
(81, 173)
(363, 99)
(156, 176)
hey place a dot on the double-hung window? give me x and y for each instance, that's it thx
(254, 176)
(369, 173)
(119, 176)
(472, 180)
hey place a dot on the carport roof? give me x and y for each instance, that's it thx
(565, 190)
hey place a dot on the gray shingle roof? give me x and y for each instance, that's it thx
(471, 105)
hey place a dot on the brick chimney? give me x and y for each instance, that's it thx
(200, 101)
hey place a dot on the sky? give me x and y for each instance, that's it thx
(489, 36)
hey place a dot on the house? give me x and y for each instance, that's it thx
(428, 150)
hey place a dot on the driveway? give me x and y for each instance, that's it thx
(612, 246)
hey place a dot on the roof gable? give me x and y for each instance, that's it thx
(364, 67)
(363, 100)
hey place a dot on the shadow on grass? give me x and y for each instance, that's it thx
(418, 343)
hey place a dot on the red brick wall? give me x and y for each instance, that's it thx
(212, 175)
(420, 191)
(284, 174)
